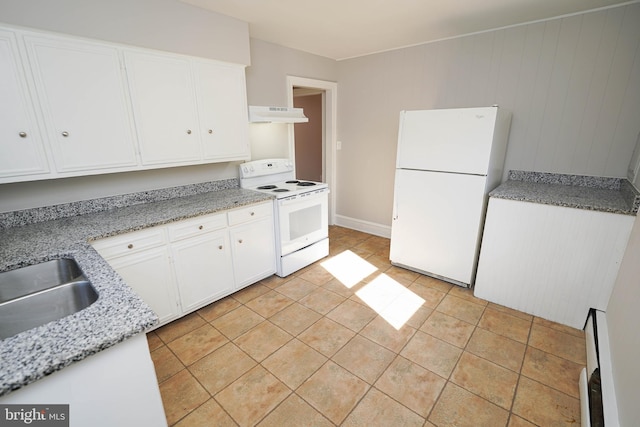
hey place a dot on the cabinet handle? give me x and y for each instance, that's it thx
(130, 246)
(252, 213)
(200, 227)
(220, 247)
(188, 131)
(239, 240)
(65, 134)
(22, 134)
(210, 131)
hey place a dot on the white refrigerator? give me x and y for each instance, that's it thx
(447, 162)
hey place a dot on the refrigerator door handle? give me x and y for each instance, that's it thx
(394, 213)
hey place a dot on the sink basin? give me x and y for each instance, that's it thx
(34, 295)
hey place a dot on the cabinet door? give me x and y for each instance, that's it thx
(82, 92)
(149, 273)
(551, 261)
(20, 142)
(253, 251)
(164, 108)
(203, 269)
(222, 106)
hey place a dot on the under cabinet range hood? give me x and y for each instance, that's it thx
(258, 114)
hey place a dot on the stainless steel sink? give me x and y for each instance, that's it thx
(34, 295)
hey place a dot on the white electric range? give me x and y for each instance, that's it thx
(301, 212)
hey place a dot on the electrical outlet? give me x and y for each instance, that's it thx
(338, 145)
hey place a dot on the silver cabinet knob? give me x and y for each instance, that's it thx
(65, 134)
(22, 134)
(130, 246)
(220, 247)
(239, 240)
(210, 131)
(188, 131)
(253, 213)
(200, 227)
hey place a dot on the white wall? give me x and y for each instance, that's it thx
(267, 85)
(270, 66)
(156, 24)
(572, 84)
(622, 322)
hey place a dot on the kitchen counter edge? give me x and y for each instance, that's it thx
(119, 313)
(612, 195)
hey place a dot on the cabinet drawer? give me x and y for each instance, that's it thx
(198, 225)
(250, 213)
(130, 243)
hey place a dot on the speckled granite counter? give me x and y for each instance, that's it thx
(614, 195)
(118, 313)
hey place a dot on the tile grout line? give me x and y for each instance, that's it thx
(274, 287)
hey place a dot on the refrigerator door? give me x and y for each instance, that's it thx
(452, 140)
(437, 223)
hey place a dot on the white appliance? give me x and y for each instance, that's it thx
(260, 114)
(301, 212)
(447, 162)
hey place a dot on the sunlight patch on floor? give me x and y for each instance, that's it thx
(348, 268)
(395, 303)
(391, 300)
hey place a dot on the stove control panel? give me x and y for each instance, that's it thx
(265, 167)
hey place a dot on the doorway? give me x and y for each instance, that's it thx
(308, 137)
(317, 157)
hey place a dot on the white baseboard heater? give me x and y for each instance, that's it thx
(597, 393)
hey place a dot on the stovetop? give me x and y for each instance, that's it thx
(276, 177)
(290, 188)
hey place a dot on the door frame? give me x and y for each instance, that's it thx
(329, 130)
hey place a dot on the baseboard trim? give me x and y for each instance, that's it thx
(364, 226)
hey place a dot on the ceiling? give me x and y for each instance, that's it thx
(341, 29)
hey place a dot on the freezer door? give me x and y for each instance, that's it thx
(452, 140)
(437, 223)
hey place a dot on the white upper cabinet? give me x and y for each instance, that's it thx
(223, 110)
(82, 94)
(71, 107)
(164, 106)
(23, 155)
(188, 110)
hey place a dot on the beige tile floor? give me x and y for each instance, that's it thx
(322, 348)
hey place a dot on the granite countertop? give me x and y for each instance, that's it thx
(66, 231)
(613, 195)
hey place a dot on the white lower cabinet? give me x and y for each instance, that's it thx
(149, 274)
(253, 251)
(553, 262)
(183, 266)
(203, 269)
(142, 259)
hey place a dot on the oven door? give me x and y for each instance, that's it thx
(303, 220)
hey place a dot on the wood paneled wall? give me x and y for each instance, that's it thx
(572, 84)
